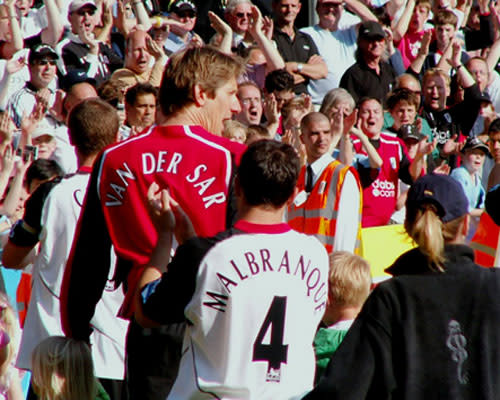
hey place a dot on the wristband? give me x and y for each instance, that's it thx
(158, 22)
(300, 67)
(458, 67)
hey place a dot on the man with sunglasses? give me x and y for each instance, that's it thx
(80, 50)
(183, 11)
(238, 15)
(336, 45)
(40, 88)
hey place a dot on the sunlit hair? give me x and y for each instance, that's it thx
(425, 227)
(205, 66)
(232, 4)
(402, 95)
(431, 73)
(231, 127)
(350, 279)
(445, 17)
(10, 324)
(62, 369)
(424, 3)
(334, 97)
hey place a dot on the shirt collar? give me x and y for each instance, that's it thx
(250, 227)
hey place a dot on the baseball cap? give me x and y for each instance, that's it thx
(43, 128)
(73, 77)
(371, 30)
(442, 191)
(182, 5)
(410, 131)
(40, 51)
(475, 143)
(75, 5)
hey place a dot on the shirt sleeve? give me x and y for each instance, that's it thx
(346, 231)
(88, 265)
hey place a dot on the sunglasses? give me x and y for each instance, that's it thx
(243, 15)
(186, 14)
(45, 62)
(89, 12)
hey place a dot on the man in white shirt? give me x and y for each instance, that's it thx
(335, 45)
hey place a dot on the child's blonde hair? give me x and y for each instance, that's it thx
(231, 127)
(350, 279)
(10, 324)
(62, 369)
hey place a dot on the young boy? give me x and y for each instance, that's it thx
(349, 286)
(469, 176)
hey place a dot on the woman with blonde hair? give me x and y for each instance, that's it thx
(62, 369)
(10, 383)
(430, 332)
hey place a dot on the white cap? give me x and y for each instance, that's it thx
(75, 5)
(43, 128)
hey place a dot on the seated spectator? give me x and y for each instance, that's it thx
(348, 287)
(139, 50)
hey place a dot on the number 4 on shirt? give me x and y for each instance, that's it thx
(275, 352)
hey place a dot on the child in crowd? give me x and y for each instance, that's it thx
(349, 286)
(63, 370)
(235, 131)
(255, 133)
(10, 384)
(43, 139)
(469, 176)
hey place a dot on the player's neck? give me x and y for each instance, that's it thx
(336, 314)
(261, 214)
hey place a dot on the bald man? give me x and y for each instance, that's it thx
(328, 202)
(138, 52)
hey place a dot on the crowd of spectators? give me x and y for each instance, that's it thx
(374, 96)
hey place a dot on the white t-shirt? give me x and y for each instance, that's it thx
(337, 49)
(258, 300)
(59, 218)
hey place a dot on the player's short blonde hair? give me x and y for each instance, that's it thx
(350, 279)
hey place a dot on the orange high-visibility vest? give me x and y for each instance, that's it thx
(318, 214)
(485, 241)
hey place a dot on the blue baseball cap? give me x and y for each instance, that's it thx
(442, 191)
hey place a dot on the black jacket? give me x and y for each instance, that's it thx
(423, 335)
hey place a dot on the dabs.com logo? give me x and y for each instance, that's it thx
(383, 188)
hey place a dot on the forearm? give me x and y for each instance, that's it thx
(12, 199)
(416, 166)
(15, 30)
(373, 156)
(157, 71)
(55, 26)
(362, 11)
(141, 14)
(402, 25)
(271, 53)
(314, 70)
(346, 153)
